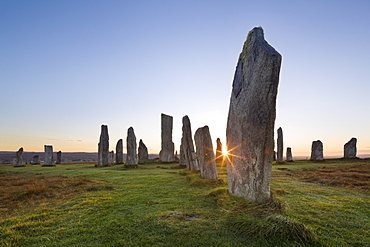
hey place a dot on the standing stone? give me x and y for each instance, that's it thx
(143, 151)
(280, 145)
(250, 125)
(103, 147)
(18, 162)
(132, 159)
(289, 156)
(167, 152)
(48, 156)
(36, 159)
(59, 157)
(111, 157)
(205, 153)
(350, 149)
(187, 145)
(119, 152)
(182, 160)
(219, 154)
(317, 151)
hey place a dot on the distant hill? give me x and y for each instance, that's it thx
(7, 157)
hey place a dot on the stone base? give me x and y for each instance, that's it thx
(103, 165)
(47, 165)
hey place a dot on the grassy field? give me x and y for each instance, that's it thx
(154, 205)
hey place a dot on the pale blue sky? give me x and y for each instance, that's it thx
(66, 67)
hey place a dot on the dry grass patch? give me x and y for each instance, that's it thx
(356, 176)
(22, 191)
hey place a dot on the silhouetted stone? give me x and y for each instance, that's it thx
(18, 162)
(111, 157)
(167, 147)
(350, 149)
(187, 145)
(280, 145)
(48, 156)
(131, 159)
(59, 157)
(103, 147)
(317, 151)
(289, 156)
(36, 159)
(119, 152)
(250, 125)
(219, 154)
(205, 153)
(143, 151)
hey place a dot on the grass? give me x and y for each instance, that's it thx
(154, 205)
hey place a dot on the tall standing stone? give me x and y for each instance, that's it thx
(182, 159)
(111, 157)
(280, 145)
(187, 145)
(250, 125)
(131, 159)
(48, 156)
(289, 156)
(205, 153)
(167, 147)
(119, 152)
(142, 151)
(36, 159)
(317, 151)
(219, 154)
(59, 157)
(103, 147)
(18, 162)
(350, 149)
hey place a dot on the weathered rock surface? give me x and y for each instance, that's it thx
(187, 146)
(119, 152)
(143, 151)
(131, 159)
(103, 147)
(48, 157)
(111, 157)
(280, 145)
(252, 112)
(289, 156)
(317, 151)
(205, 153)
(167, 147)
(18, 157)
(36, 159)
(219, 154)
(350, 149)
(59, 157)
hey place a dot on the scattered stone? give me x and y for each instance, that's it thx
(187, 145)
(250, 125)
(280, 145)
(36, 159)
(205, 153)
(18, 162)
(317, 151)
(103, 147)
(119, 152)
(350, 149)
(131, 159)
(166, 154)
(143, 151)
(59, 157)
(289, 156)
(48, 157)
(219, 154)
(111, 157)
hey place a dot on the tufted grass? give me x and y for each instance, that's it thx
(80, 205)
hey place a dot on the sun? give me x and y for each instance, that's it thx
(225, 152)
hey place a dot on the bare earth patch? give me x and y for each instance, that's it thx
(355, 176)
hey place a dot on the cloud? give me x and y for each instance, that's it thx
(61, 140)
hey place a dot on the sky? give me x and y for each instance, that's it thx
(67, 67)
